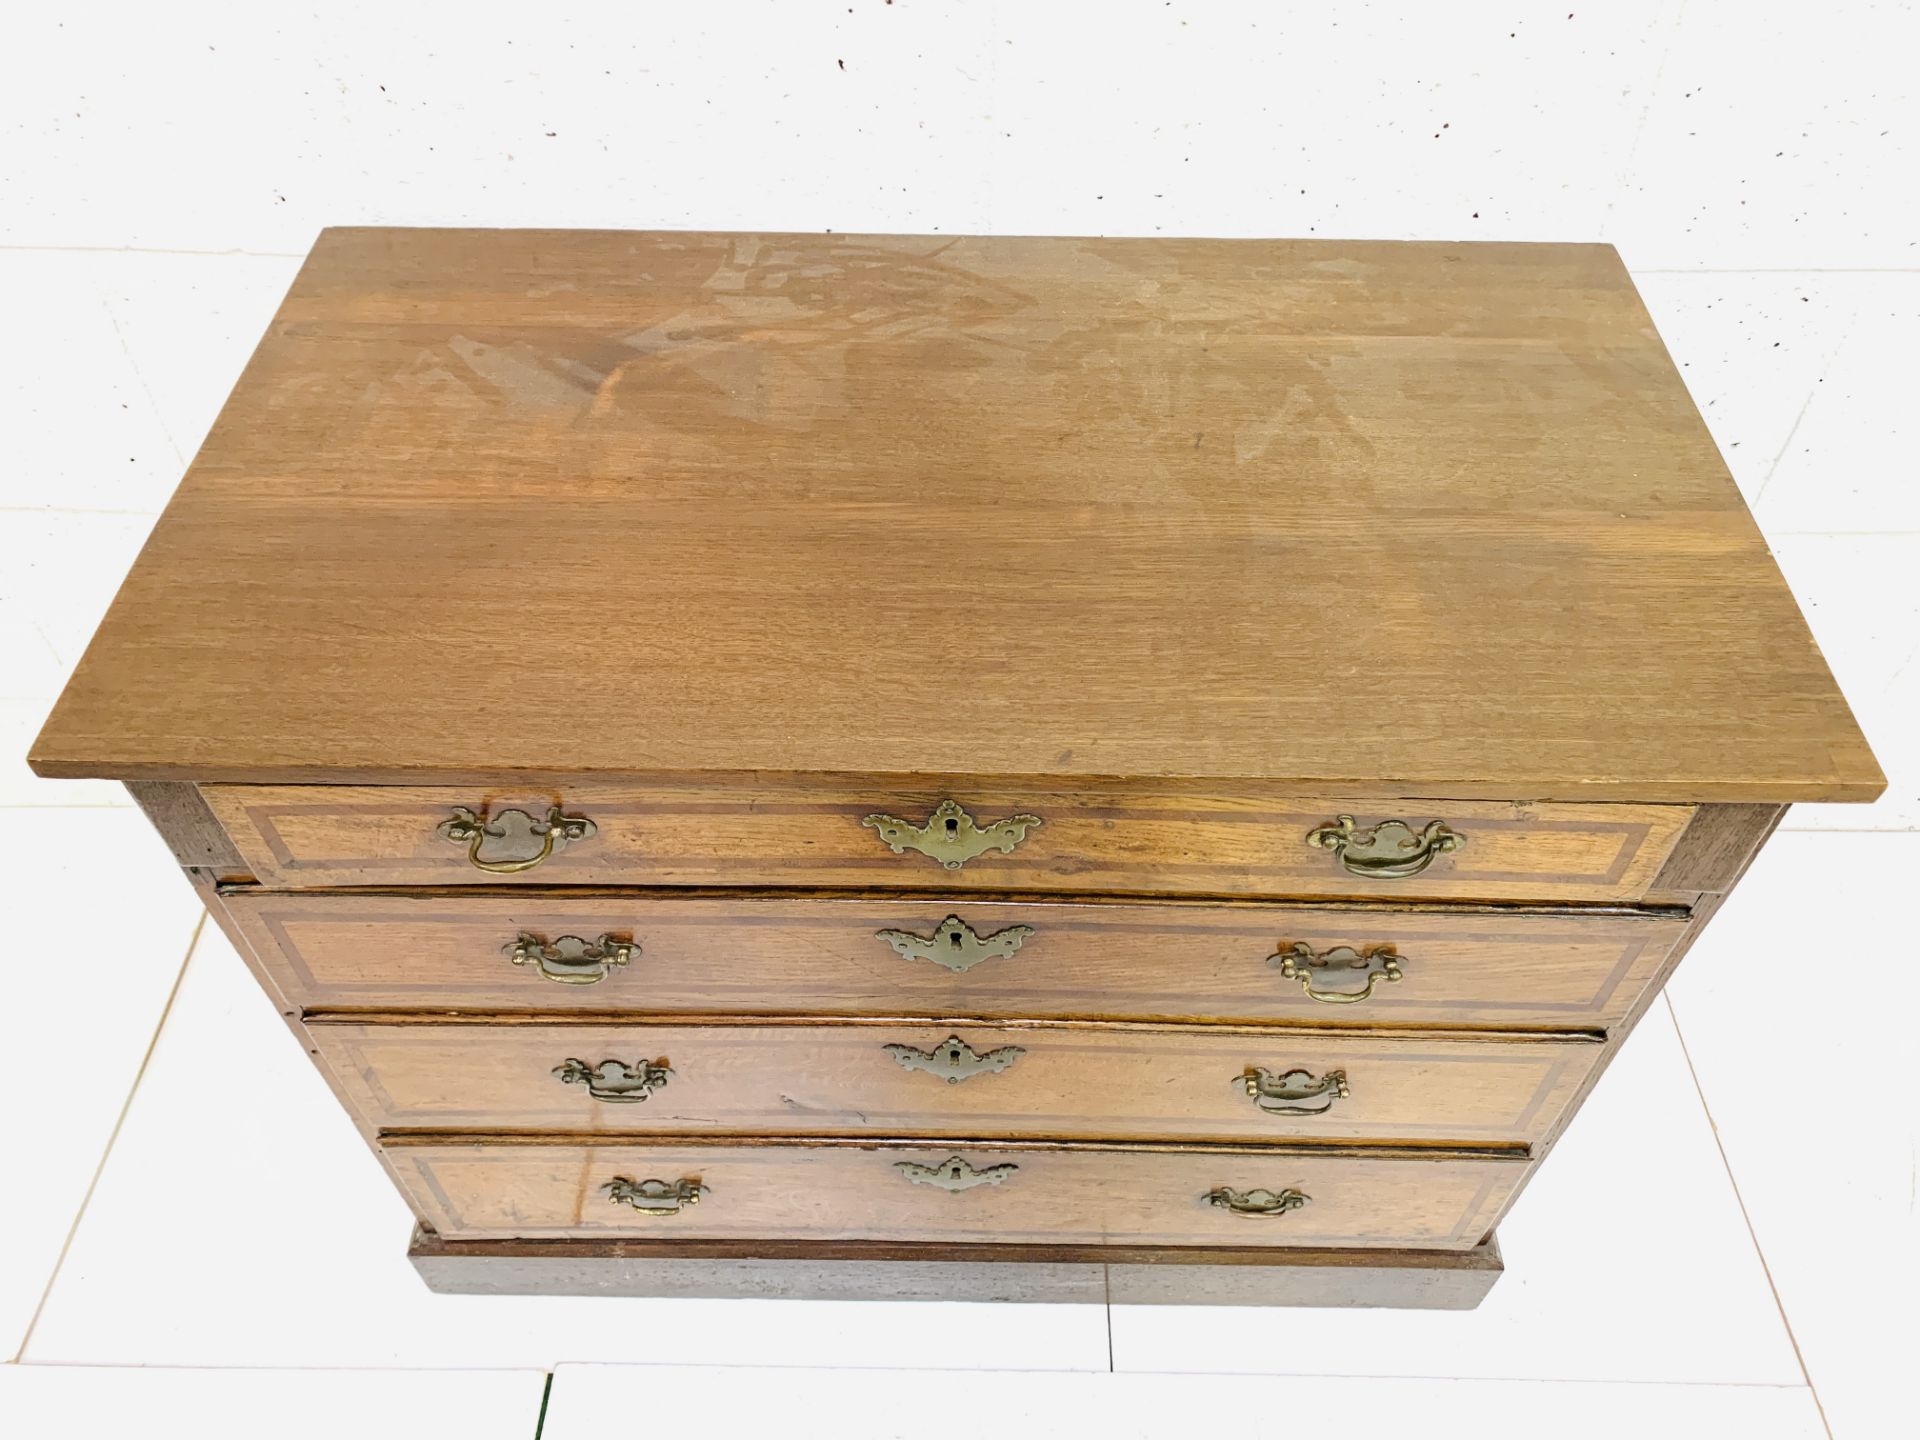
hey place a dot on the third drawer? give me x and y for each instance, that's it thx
(1074, 1082)
(725, 955)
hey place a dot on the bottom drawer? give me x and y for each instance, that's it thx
(1037, 1193)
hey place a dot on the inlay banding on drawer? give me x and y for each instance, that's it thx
(770, 954)
(1066, 1081)
(817, 835)
(1065, 1195)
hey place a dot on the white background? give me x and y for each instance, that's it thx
(1727, 1241)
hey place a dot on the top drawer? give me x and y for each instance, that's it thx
(843, 832)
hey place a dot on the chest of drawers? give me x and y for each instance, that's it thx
(832, 765)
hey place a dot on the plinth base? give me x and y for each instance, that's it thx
(1121, 1275)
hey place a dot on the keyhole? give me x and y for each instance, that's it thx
(953, 939)
(953, 826)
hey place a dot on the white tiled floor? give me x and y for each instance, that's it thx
(1798, 1016)
(1750, 161)
(1574, 1303)
(589, 1401)
(1853, 463)
(90, 973)
(1753, 347)
(1858, 594)
(1774, 135)
(42, 1402)
(285, 1162)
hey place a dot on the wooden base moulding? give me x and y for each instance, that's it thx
(1087, 1275)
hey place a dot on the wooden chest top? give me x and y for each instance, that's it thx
(544, 503)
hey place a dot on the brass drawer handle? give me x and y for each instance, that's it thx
(520, 830)
(1256, 1202)
(953, 1059)
(1299, 961)
(955, 944)
(571, 960)
(950, 834)
(1387, 851)
(655, 1197)
(615, 1081)
(953, 1174)
(1294, 1092)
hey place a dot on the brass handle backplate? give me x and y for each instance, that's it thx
(1255, 1202)
(655, 1197)
(1300, 961)
(955, 944)
(950, 834)
(953, 1059)
(571, 960)
(615, 1081)
(525, 841)
(953, 1174)
(1390, 850)
(1294, 1092)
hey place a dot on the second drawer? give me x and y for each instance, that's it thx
(1027, 1081)
(1046, 959)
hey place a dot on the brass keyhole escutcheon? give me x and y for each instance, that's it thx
(954, 1174)
(955, 944)
(953, 1060)
(950, 834)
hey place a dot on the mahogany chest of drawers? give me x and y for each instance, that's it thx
(789, 764)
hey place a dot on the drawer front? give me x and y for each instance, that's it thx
(1049, 1194)
(910, 957)
(1035, 1082)
(838, 835)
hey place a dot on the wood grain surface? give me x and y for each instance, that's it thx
(809, 833)
(1054, 1195)
(1081, 1083)
(545, 503)
(772, 954)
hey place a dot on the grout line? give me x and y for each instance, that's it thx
(1787, 444)
(1106, 1280)
(72, 510)
(119, 1120)
(1784, 1387)
(68, 804)
(1634, 269)
(153, 405)
(1775, 270)
(1360, 1379)
(149, 250)
(1826, 366)
(1753, 1235)
(1862, 830)
(215, 1368)
(546, 1394)
(1625, 176)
